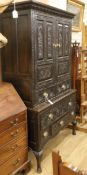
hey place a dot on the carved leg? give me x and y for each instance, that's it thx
(38, 156)
(74, 123)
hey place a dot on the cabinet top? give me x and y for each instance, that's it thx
(32, 4)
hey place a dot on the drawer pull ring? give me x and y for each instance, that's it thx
(70, 103)
(14, 147)
(15, 122)
(45, 134)
(14, 134)
(63, 87)
(17, 162)
(51, 116)
(62, 123)
(46, 98)
(72, 113)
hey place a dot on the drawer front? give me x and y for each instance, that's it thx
(45, 136)
(63, 87)
(15, 162)
(50, 92)
(10, 149)
(15, 132)
(60, 124)
(12, 121)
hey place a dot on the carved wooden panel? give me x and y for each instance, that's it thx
(44, 72)
(49, 38)
(59, 39)
(63, 67)
(39, 37)
(67, 40)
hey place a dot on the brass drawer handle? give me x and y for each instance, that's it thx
(70, 103)
(45, 94)
(14, 134)
(58, 45)
(15, 122)
(62, 123)
(72, 113)
(17, 162)
(14, 147)
(63, 87)
(45, 134)
(50, 116)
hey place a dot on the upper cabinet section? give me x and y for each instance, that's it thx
(37, 57)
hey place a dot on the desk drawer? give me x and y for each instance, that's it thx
(12, 121)
(15, 132)
(15, 162)
(9, 149)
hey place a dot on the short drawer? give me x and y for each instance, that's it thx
(50, 91)
(62, 123)
(15, 132)
(12, 121)
(10, 149)
(63, 87)
(15, 162)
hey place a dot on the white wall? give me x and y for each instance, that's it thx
(58, 3)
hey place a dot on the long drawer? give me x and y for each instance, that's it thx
(15, 162)
(16, 132)
(12, 121)
(10, 149)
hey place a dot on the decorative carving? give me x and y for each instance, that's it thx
(63, 67)
(66, 40)
(49, 40)
(44, 72)
(40, 40)
(66, 84)
(60, 38)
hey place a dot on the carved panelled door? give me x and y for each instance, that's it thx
(44, 51)
(63, 68)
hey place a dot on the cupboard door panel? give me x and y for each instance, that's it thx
(67, 39)
(59, 39)
(39, 38)
(44, 50)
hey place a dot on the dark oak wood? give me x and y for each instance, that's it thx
(13, 131)
(63, 168)
(37, 60)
